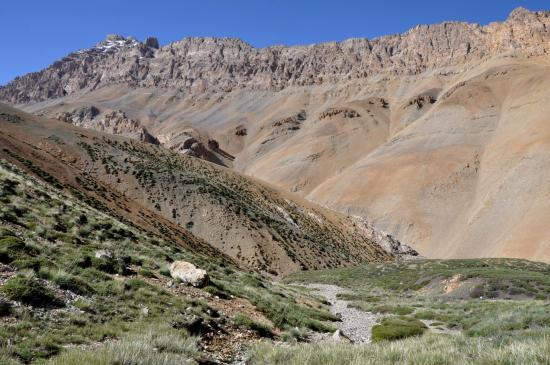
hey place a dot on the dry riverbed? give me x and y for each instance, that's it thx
(355, 325)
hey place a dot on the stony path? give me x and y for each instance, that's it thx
(356, 325)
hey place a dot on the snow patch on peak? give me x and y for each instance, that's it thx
(112, 44)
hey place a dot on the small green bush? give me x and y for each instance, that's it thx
(262, 329)
(82, 219)
(394, 328)
(295, 333)
(91, 275)
(29, 290)
(395, 309)
(32, 263)
(146, 273)
(218, 290)
(165, 271)
(135, 284)
(4, 232)
(425, 314)
(110, 265)
(10, 248)
(74, 284)
(13, 248)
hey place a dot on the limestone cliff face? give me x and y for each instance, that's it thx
(197, 65)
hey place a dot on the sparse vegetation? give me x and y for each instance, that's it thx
(275, 302)
(163, 177)
(500, 277)
(49, 258)
(448, 292)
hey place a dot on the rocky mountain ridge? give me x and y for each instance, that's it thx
(199, 65)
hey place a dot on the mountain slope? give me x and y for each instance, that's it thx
(255, 224)
(436, 135)
(468, 178)
(78, 286)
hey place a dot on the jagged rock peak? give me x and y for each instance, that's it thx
(114, 37)
(520, 14)
(152, 42)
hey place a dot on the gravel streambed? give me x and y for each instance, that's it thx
(356, 325)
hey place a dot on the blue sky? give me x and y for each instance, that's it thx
(33, 34)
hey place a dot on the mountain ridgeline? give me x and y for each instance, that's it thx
(200, 65)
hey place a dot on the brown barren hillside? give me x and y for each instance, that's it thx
(438, 136)
(251, 222)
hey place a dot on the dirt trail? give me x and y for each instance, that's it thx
(355, 325)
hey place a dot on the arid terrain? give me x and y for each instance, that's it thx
(254, 224)
(370, 201)
(437, 136)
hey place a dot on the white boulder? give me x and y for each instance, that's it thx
(188, 274)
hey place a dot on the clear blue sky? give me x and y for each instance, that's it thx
(35, 33)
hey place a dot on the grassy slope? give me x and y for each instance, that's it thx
(509, 325)
(49, 239)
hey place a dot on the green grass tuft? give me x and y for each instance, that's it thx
(29, 290)
(394, 328)
(263, 329)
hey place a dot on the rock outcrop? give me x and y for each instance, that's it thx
(152, 42)
(292, 122)
(421, 100)
(190, 142)
(114, 122)
(103, 254)
(344, 112)
(385, 240)
(79, 116)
